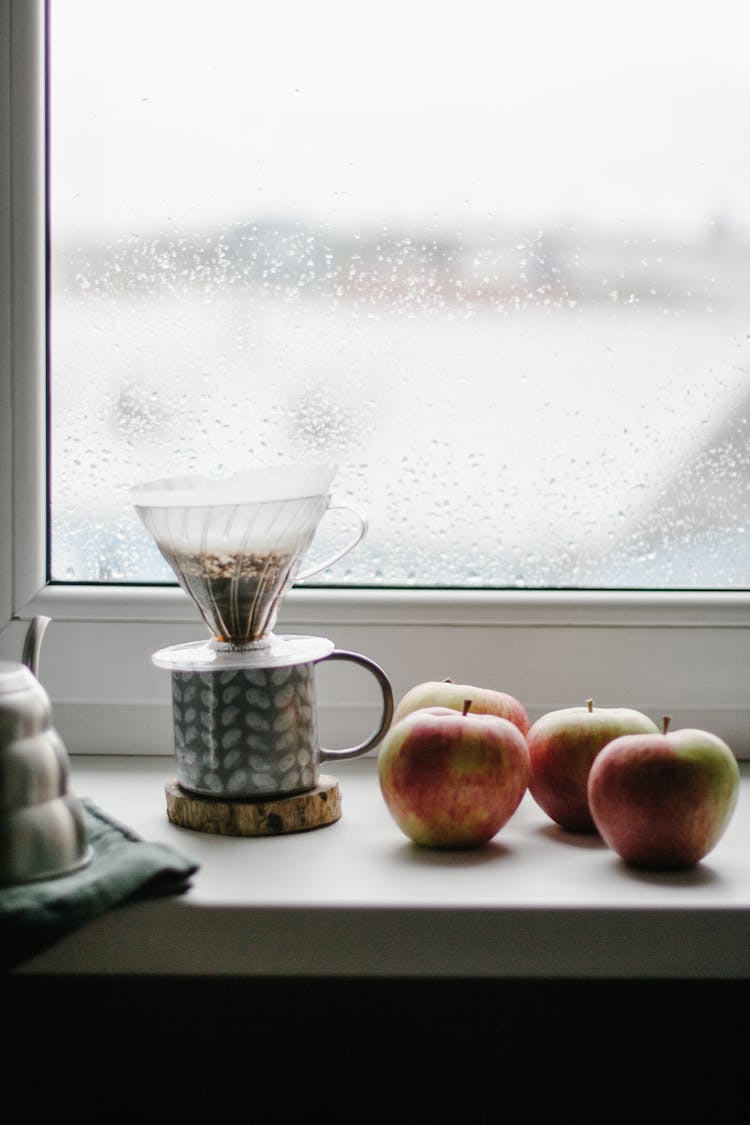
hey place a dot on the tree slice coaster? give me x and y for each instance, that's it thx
(224, 816)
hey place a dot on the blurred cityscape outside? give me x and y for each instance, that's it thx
(549, 409)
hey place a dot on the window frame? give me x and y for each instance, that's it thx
(685, 651)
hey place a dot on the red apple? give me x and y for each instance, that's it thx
(451, 779)
(663, 801)
(562, 747)
(444, 693)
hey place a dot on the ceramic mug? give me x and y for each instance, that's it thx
(251, 732)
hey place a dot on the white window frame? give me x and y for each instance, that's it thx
(686, 654)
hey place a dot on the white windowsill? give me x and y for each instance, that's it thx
(356, 898)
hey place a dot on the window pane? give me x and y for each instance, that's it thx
(493, 261)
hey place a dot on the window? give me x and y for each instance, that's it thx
(684, 652)
(496, 267)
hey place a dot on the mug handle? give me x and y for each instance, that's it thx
(386, 715)
(357, 538)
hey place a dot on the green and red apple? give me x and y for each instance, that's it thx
(562, 747)
(663, 801)
(446, 693)
(452, 779)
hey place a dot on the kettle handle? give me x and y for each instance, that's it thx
(33, 643)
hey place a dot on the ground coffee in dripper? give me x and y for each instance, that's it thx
(236, 545)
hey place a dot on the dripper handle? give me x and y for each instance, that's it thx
(357, 538)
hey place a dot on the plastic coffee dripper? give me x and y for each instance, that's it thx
(236, 545)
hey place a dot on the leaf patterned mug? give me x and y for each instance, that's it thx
(248, 728)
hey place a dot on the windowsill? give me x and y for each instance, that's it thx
(356, 898)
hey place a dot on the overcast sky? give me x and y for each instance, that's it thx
(171, 111)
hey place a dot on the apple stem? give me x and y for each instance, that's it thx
(467, 705)
(665, 723)
(447, 680)
(590, 705)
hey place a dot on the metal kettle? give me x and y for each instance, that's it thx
(42, 825)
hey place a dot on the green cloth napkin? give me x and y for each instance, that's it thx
(35, 915)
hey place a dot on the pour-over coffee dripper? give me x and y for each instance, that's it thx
(243, 701)
(236, 545)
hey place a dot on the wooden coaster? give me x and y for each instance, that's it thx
(226, 817)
